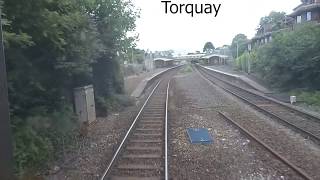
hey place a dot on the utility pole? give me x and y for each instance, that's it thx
(249, 64)
(237, 49)
(132, 55)
(241, 64)
(6, 171)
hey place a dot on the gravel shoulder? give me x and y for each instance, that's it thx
(194, 103)
(97, 148)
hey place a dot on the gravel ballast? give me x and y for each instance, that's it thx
(98, 146)
(195, 103)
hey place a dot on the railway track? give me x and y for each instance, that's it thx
(296, 169)
(142, 154)
(305, 124)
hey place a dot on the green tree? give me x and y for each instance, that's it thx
(273, 22)
(51, 48)
(239, 45)
(113, 34)
(292, 59)
(208, 47)
(138, 56)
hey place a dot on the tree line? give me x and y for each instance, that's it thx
(290, 61)
(51, 47)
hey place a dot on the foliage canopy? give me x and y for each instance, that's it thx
(52, 47)
(273, 22)
(239, 43)
(208, 47)
(292, 59)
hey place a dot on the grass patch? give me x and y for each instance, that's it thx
(187, 69)
(308, 97)
(41, 138)
(311, 99)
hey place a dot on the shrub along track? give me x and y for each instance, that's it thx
(305, 124)
(142, 153)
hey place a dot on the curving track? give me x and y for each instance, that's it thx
(143, 153)
(254, 100)
(306, 124)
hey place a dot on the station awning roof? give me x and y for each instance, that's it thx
(214, 55)
(163, 59)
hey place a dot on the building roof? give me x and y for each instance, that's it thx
(304, 7)
(214, 55)
(163, 59)
(192, 56)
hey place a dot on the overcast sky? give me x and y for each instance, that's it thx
(182, 33)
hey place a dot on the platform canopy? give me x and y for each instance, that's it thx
(163, 59)
(215, 56)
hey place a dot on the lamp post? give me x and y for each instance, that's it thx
(249, 64)
(241, 64)
(6, 172)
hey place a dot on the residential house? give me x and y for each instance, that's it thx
(309, 10)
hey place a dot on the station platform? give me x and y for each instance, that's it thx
(241, 76)
(138, 91)
(132, 82)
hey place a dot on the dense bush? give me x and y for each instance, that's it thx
(311, 98)
(292, 59)
(114, 103)
(242, 62)
(51, 48)
(40, 137)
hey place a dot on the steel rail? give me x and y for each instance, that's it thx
(309, 115)
(309, 134)
(272, 151)
(166, 134)
(127, 134)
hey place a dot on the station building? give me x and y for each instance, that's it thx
(163, 62)
(192, 57)
(307, 11)
(214, 59)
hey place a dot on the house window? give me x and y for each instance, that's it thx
(308, 16)
(299, 18)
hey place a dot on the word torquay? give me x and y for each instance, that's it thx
(191, 9)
